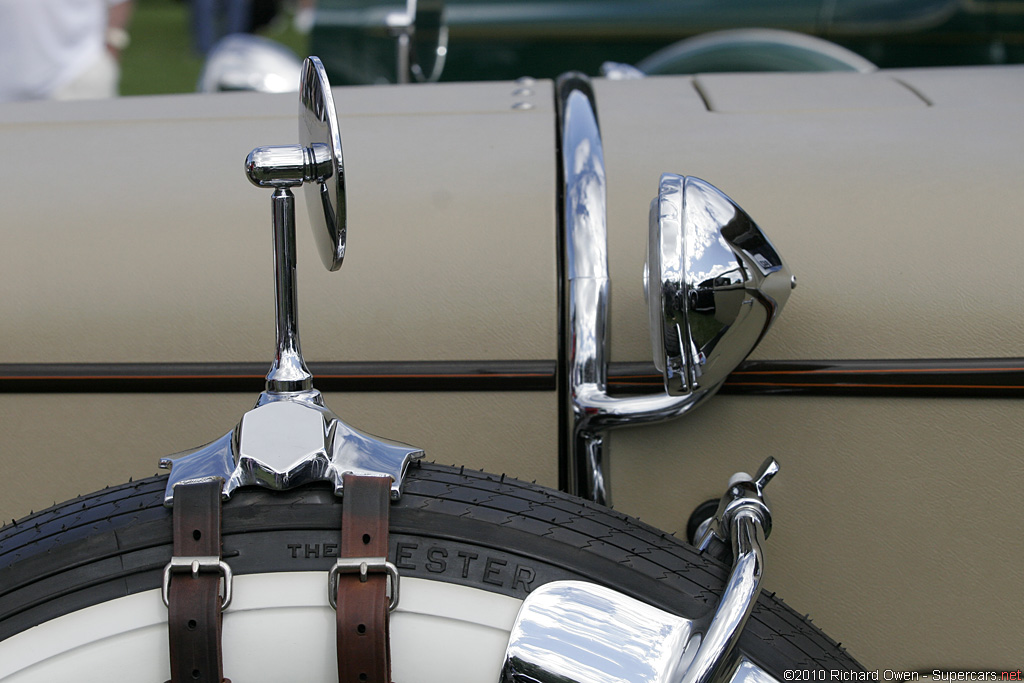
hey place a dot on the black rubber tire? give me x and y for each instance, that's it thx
(458, 526)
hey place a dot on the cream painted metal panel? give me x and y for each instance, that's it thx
(106, 438)
(898, 221)
(898, 210)
(137, 238)
(145, 241)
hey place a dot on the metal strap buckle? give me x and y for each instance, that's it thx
(362, 566)
(194, 566)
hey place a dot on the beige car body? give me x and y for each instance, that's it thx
(130, 234)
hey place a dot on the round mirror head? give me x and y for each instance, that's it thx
(320, 137)
(715, 284)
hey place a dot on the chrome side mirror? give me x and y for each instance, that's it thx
(718, 284)
(422, 40)
(317, 163)
(291, 438)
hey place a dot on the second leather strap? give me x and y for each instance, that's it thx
(194, 609)
(363, 635)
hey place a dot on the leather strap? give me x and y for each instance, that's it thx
(194, 601)
(364, 655)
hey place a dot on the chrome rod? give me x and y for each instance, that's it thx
(737, 601)
(586, 271)
(288, 372)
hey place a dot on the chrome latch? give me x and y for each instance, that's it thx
(196, 566)
(363, 566)
(745, 497)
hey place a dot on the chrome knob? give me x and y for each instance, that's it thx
(289, 165)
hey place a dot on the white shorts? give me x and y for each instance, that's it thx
(98, 81)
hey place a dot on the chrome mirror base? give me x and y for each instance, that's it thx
(289, 440)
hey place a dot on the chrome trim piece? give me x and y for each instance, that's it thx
(737, 601)
(743, 519)
(287, 165)
(578, 632)
(745, 494)
(289, 440)
(586, 272)
(926, 378)
(585, 633)
(427, 18)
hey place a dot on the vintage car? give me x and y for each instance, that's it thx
(502, 39)
(472, 319)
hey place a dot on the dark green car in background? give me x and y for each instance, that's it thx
(366, 41)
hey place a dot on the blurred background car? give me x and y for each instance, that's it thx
(364, 41)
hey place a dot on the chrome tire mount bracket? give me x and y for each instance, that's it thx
(579, 632)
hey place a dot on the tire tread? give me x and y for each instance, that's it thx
(74, 538)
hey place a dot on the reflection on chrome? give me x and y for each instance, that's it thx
(288, 440)
(578, 632)
(715, 285)
(720, 284)
(573, 631)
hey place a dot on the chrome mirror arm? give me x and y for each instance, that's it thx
(282, 168)
(592, 409)
(601, 411)
(288, 372)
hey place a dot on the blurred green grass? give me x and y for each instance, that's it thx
(160, 58)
